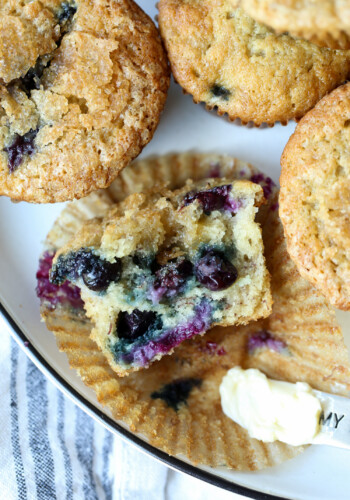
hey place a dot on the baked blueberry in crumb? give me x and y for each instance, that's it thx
(145, 261)
(216, 198)
(220, 91)
(265, 182)
(31, 80)
(55, 294)
(160, 339)
(21, 146)
(177, 392)
(96, 273)
(134, 325)
(171, 278)
(99, 273)
(214, 271)
(66, 13)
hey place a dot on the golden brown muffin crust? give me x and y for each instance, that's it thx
(27, 30)
(224, 58)
(95, 106)
(315, 196)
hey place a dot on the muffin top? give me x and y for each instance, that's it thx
(315, 194)
(221, 56)
(84, 103)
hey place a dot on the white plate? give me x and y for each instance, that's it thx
(320, 473)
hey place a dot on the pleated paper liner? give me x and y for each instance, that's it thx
(301, 340)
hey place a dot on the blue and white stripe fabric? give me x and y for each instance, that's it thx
(50, 449)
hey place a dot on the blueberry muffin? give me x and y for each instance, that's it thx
(315, 195)
(79, 99)
(175, 403)
(28, 30)
(225, 59)
(161, 268)
(324, 22)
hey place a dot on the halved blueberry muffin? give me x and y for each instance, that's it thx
(175, 403)
(163, 267)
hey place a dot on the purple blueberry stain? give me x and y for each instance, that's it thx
(131, 326)
(157, 294)
(217, 198)
(265, 340)
(171, 279)
(214, 271)
(142, 353)
(55, 294)
(221, 352)
(265, 182)
(21, 146)
(177, 392)
(257, 178)
(232, 205)
(212, 348)
(215, 171)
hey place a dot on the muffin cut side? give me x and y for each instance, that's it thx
(160, 269)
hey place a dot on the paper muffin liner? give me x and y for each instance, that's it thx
(300, 341)
(332, 37)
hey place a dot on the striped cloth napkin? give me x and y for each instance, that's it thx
(50, 449)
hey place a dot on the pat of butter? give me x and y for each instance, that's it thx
(270, 410)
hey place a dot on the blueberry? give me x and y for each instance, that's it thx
(172, 277)
(220, 91)
(145, 261)
(96, 273)
(214, 271)
(22, 145)
(134, 325)
(266, 183)
(31, 80)
(210, 199)
(99, 273)
(176, 392)
(66, 13)
(68, 266)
